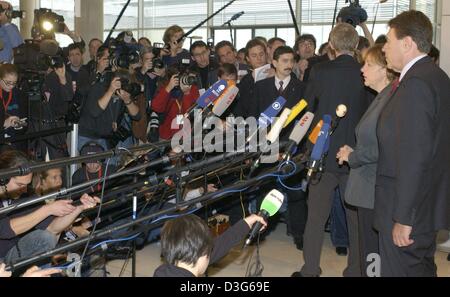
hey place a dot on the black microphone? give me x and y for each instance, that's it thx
(234, 17)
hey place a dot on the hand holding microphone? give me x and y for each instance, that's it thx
(269, 207)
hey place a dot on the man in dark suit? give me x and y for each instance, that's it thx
(285, 84)
(413, 179)
(330, 84)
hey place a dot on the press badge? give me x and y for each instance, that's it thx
(180, 119)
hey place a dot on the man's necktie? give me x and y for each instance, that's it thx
(395, 85)
(280, 90)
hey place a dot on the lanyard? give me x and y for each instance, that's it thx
(100, 174)
(6, 105)
(179, 106)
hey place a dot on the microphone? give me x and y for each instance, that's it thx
(296, 110)
(319, 150)
(298, 133)
(315, 132)
(278, 126)
(341, 111)
(273, 135)
(208, 98)
(234, 17)
(222, 104)
(267, 117)
(269, 207)
(225, 100)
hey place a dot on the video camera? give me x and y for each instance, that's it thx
(13, 14)
(353, 14)
(46, 24)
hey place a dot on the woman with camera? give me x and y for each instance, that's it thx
(14, 107)
(173, 53)
(173, 100)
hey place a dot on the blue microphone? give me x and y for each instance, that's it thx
(268, 116)
(210, 96)
(320, 149)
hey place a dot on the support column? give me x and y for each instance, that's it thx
(27, 23)
(445, 37)
(89, 21)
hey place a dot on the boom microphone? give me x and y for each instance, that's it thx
(296, 110)
(269, 207)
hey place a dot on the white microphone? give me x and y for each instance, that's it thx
(278, 126)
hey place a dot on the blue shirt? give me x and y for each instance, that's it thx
(10, 35)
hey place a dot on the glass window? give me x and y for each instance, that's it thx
(242, 37)
(112, 9)
(163, 13)
(288, 34)
(257, 12)
(267, 33)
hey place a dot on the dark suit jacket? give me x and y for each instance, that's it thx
(413, 177)
(360, 190)
(330, 84)
(266, 92)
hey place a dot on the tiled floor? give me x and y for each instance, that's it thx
(278, 255)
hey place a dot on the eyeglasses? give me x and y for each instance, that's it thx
(10, 83)
(306, 43)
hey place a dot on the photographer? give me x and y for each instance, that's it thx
(14, 107)
(101, 63)
(175, 52)
(94, 45)
(173, 100)
(9, 33)
(148, 75)
(105, 108)
(36, 229)
(58, 95)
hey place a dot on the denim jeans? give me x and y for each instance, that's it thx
(339, 232)
(34, 243)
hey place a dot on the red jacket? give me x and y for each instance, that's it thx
(165, 104)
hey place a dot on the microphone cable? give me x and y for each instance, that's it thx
(255, 269)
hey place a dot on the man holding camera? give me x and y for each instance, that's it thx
(105, 107)
(9, 33)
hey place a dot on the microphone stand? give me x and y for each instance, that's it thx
(204, 21)
(294, 20)
(335, 13)
(117, 21)
(208, 198)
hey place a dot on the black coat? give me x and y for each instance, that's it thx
(413, 177)
(330, 84)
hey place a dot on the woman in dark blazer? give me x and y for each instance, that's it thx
(362, 159)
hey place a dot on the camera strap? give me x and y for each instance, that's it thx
(6, 104)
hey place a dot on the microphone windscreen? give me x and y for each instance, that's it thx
(266, 118)
(49, 47)
(302, 127)
(341, 111)
(212, 94)
(278, 126)
(272, 202)
(296, 110)
(225, 100)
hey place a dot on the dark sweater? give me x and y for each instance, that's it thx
(222, 245)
